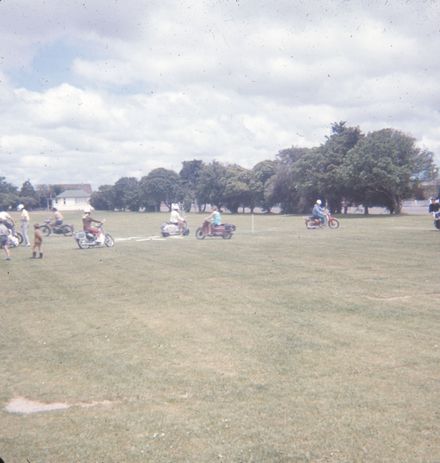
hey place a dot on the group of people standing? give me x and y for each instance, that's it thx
(7, 229)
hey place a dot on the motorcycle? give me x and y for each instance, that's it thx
(86, 239)
(330, 221)
(49, 229)
(15, 238)
(14, 241)
(225, 230)
(437, 220)
(172, 229)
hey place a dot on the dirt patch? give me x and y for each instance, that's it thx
(23, 406)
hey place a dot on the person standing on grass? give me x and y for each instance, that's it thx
(38, 241)
(4, 233)
(24, 219)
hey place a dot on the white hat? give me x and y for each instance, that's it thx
(20, 207)
(175, 207)
(318, 201)
(87, 209)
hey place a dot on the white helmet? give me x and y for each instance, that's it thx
(20, 207)
(319, 202)
(87, 209)
(175, 207)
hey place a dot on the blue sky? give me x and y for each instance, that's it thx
(91, 91)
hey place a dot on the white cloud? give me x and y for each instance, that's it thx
(153, 83)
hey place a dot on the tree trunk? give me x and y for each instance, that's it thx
(366, 210)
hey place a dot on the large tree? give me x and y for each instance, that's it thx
(241, 188)
(294, 179)
(8, 194)
(189, 175)
(103, 199)
(330, 158)
(212, 184)
(127, 194)
(385, 167)
(264, 173)
(28, 196)
(160, 185)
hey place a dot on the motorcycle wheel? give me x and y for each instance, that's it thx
(67, 230)
(186, 232)
(45, 230)
(227, 235)
(437, 224)
(19, 237)
(310, 224)
(82, 243)
(165, 234)
(333, 223)
(199, 234)
(109, 241)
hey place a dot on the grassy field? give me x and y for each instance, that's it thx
(279, 345)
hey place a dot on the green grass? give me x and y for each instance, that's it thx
(281, 345)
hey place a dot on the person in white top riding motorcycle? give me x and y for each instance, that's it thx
(176, 218)
(318, 211)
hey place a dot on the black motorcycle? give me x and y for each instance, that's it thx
(49, 229)
(437, 220)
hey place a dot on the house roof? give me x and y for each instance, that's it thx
(73, 194)
(75, 186)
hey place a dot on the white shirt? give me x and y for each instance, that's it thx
(24, 215)
(175, 217)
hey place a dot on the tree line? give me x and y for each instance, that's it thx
(381, 168)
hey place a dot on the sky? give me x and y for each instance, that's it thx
(95, 90)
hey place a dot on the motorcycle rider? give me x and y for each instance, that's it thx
(176, 218)
(4, 235)
(7, 220)
(57, 217)
(87, 221)
(214, 219)
(318, 212)
(434, 206)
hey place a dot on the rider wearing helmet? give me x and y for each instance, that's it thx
(318, 212)
(87, 221)
(176, 218)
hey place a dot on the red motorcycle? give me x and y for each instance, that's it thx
(330, 221)
(225, 230)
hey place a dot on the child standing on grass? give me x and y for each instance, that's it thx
(4, 233)
(38, 241)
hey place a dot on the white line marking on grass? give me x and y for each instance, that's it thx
(140, 239)
(129, 238)
(151, 238)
